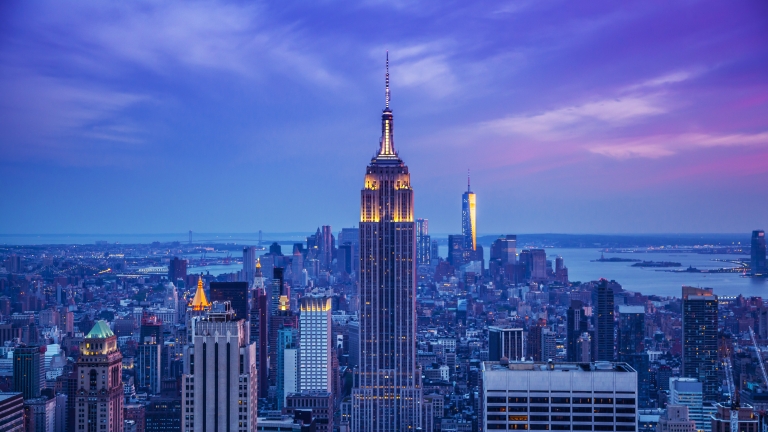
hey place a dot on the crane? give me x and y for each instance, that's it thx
(732, 392)
(759, 357)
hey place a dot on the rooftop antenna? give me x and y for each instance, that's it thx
(387, 83)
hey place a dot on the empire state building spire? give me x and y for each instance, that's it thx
(387, 142)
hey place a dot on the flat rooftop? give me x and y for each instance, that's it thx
(557, 367)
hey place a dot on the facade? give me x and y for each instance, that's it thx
(388, 392)
(576, 325)
(41, 414)
(603, 320)
(423, 242)
(758, 263)
(675, 419)
(259, 335)
(98, 397)
(219, 386)
(631, 347)
(12, 412)
(321, 404)
(163, 415)
(29, 370)
(177, 269)
(287, 364)
(558, 396)
(504, 249)
(700, 356)
(148, 365)
(747, 419)
(315, 344)
(505, 343)
(236, 293)
(249, 265)
(688, 392)
(469, 218)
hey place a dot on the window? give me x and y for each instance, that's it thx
(625, 401)
(539, 400)
(518, 399)
(561, 400)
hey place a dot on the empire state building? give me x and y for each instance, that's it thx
(388, 395)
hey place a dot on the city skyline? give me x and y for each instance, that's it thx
(577, 113)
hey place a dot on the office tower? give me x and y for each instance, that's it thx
(354, 343)
(548, 345)
(533, 341)
(259, 281)
(29, 370)
(177, 269)
(297, 266)
(538, 265)
(469, 218)
(41, 414)
(746, 419)
(561, 271)
(98, 401)
(259, 336)
(558, 396)
(584, 348)
(388, 392)
(700, 357)
(12, 412)
(236, 293)
(277, 288)
(351, 236)
(423, 242)
(456, 252)
(504, 249)
(505, 343)
(688, 392)
(602, 320)
(282, 318)
(675, 419)
(576, 325)
(631, 347)
(321, 404)
(758, 263)
(275, 249)
(249, 265)
(221, 378)
(148, 362)
(163, 414)
(434, 252)
(315, 344)
(287, 365)
(326, 247)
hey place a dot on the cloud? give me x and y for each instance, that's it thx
(667, 145)
(561, 122)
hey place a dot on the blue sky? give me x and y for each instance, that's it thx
(146, 117)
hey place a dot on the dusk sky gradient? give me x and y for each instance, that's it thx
(573, 117)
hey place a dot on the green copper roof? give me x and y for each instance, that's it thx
(100, 331)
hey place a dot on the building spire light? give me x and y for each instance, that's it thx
(386, 84)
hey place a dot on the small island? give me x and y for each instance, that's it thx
(656, 264)
(614, 259)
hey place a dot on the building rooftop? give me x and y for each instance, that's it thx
(557, 367)
(7, 395)
(631, 309)
(100, 330)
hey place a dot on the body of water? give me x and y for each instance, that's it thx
(649, 280)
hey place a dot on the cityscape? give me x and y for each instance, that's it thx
(397, 320)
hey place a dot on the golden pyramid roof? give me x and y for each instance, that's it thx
(200, 302)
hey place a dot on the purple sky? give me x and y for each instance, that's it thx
(599, 117)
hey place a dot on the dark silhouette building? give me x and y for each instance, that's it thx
(758, 263)
(236, 293)
(700, 356)
(259, 334)
(177, 269)
(576, 325)
(603, 321)
(28, 370)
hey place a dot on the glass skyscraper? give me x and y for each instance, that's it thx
(469, 219)
(388, 395)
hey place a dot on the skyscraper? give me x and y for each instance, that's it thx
(505, 343)
(423, 242)
(469, 218)
(148, 365)
(758, 263)
(315, 344)
(631, 347)
(388, 393)
(700, 357)
(221, 375)
(259, 335)
(504, 249)
(602, 316)
(177, 269)
(249, 265)
(457, 255)
(99, 383)
(236, 293)
(576, 325)
(326, 247)
(28, 370)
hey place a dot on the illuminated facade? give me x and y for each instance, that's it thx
(315, 344)
(99, 395)
(469, 219)
(388, 395)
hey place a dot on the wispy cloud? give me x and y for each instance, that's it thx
(666, 145)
